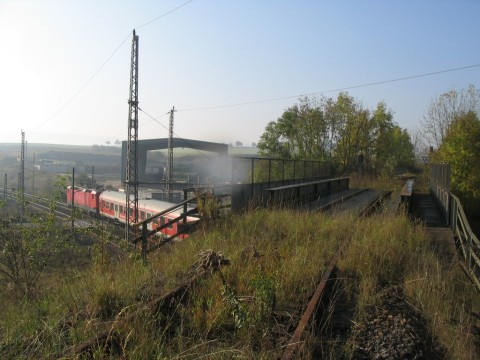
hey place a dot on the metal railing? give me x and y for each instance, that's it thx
(451, 207)
(310, 191)
(146, 233)
(466, 240)
(440, 188)
(252, 176)
(253, 170)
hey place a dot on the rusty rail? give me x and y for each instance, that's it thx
(312, 306)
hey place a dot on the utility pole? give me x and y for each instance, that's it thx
(73, 200)
(19, 198)
(21, 177)
(5, 199)
(170, 157)
(131, 178)
(33, 175)
(93, 167)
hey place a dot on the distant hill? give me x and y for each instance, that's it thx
(13, 149)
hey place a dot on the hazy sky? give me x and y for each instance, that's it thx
(211, 53)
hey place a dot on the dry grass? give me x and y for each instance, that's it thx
(276, 261)
(392, 251)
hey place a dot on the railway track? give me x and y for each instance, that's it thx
(365, 203)
(63, 212)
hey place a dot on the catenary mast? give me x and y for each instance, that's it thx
(131, 178)
(21, 178)
(170, 158)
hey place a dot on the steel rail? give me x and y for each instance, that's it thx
(312, 306)
(63, 211)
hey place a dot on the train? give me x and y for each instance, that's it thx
(111, 205)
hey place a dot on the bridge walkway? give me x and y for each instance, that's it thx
(441, 236)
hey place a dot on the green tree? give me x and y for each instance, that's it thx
(404, 148)
(341, 130)
(353, 127)
(442, 111)
(461, 148)
(273, 142)
(26, 251)
(297, 134)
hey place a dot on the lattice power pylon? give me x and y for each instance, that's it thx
(21, 178)
(5, 199)
(170, 158)
(131, 178)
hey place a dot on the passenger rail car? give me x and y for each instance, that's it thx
(112, 205)
(85, 199)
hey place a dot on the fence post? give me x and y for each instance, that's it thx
(253, 171)
(453, 215)
(185, 207)
(447, 186)
(294, 175)
(144, 243)
(269, 170)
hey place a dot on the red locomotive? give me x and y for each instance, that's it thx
(112, 205)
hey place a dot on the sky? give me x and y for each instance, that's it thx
(228, 67)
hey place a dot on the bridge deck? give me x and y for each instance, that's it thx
(426, 211)
(440, 235)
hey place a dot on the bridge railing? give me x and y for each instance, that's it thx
(440, 188)
(466, 240)
(146, 233)
(253, 176)
(301, 193)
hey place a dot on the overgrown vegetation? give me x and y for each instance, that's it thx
(452, 128)
(400, 254)
(244, 310)
(26, 249)
(341, 131)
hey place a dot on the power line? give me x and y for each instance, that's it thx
(179, 137)
(75, 95)
(70, 100)
(165, 14)
(155, 119)
(331, 90)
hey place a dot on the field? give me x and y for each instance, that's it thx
(252, 274)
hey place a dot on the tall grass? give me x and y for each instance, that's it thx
(393, 251)
(276, 261)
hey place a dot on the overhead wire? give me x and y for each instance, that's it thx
(74, 96)
(179, 137)
(310, 94)
(78, 92)
(165, 14)
(330, 90)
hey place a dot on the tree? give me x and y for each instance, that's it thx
(297, 134)
(402, 154)
(383, 134)
(352, 131)
(461, 148)
(444, 109)
(26, 250)
(238, 144)
(300, 133)
(273, 143)
(339, 130)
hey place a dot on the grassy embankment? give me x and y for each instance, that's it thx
(276, 260)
